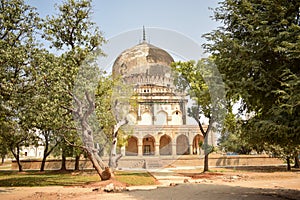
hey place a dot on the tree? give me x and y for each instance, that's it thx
(113, 99)
(72, 33)
(231, 139)
(18, 22)
(207, 91)
(282, 119)
(257, 52)
(15, 137)
(3, 150)
(44, 112)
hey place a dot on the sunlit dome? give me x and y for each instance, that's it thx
(143, 58)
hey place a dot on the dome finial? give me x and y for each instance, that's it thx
(144, 34)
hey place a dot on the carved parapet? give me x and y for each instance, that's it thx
(144, 79)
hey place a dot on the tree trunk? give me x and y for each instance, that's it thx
(44, 156)
(87, 137)
(288, 162)
(17, 157)
(2, 159)
(114, 158)
(102, 170)
(47, 151)
(20, 165)
(77, 159)
(205, 143)
(43, 164)
(205, 163)
(297, 163)
(63, 160)
(206, 152)
(18, 160)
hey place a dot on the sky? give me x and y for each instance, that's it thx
(173, 25)
(190, 17)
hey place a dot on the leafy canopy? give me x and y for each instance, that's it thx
(257, 52)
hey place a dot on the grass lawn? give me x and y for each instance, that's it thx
(135, 178)
(69, 178)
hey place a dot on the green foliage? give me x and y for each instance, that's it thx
(73, 34)
(36, 84)
(73, 30)
(189, 77)
(257, 52)
(232, 140)
(18, 23)
(248, 49)
(4, 148)
(113, 100)
(104, 105)
(204, 85)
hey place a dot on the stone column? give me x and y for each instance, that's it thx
(140, 146)
(174, 149)
(156, 149)
(191, 149)
(153, 115)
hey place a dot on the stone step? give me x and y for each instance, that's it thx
(153, 163)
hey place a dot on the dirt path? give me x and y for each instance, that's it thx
(225, 185)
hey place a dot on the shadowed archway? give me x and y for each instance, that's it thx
(148, 145)
(197, 142)
(182, 145)
(132, 146)
(165, 145)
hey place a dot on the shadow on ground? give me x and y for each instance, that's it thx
(214, 192)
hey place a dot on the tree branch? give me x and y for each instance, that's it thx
(91, 106)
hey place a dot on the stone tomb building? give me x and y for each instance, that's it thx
(160, 118)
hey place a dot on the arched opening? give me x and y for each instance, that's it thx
(177, 118)
(132, 146)
(197, 142)
(161, 118)
(146, 119)
(182, 145)
(165, 145)
(148, 145)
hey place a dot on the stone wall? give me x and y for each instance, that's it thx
(133, 162)
(220, 161)
(51, 164)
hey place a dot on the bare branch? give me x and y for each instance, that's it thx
(73, 145)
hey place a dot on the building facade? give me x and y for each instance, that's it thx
(160, 118)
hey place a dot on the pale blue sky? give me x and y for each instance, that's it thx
(189, 17)
(174, 25)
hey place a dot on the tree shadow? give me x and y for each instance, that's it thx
(214, 192)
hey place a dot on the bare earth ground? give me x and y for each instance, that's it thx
(185, 184)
